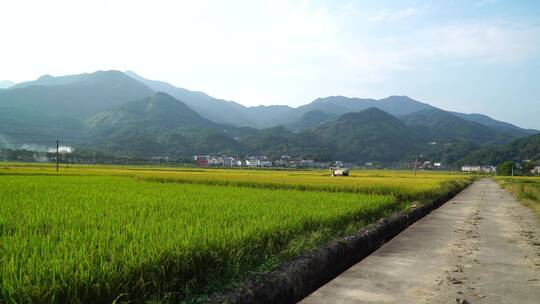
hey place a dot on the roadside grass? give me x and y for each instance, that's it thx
(104, 234)
(526, 189)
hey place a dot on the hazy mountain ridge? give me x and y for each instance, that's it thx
(393, 105)
(216, 110)
(439, 125)
(77, 96)
(125, 114)
(333, 106)
(496, 124)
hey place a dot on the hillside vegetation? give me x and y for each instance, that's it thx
(521, 149)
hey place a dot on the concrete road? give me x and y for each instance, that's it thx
(483, 246)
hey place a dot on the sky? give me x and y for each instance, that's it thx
(473, 56)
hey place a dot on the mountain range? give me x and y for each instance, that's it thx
(126, 114)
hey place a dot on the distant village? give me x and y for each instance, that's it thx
(535, 170)
(286, 161)
(262, 161)
(479, 169)
(256, 161)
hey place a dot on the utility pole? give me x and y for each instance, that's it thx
(512, 169)
(415, 162)
(57, 159)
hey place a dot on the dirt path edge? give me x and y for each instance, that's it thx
(296, 279)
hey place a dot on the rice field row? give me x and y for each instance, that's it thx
(111, 234)
(404, 185)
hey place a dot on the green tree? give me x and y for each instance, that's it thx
(527, 167)
(505, 168)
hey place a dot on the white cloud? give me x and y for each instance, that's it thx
(389, 15)
(484, 41)
(249, 51)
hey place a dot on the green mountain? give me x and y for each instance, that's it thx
(158, 125)
(125, 113)
(216, 110)
(370, 135)
(158, 109)
(439, 125)
(373, 135)
(77, 96)
(310, 120)
(307, 116)
(445, 152)
(518, 150)
(20, 128)
(277, 141)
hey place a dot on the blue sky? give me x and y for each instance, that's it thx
(469, 56)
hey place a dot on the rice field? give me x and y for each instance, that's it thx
(104, 234)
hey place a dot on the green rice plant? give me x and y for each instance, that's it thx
(106, 233)
(95, 238)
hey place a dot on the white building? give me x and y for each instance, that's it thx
(536, 170)
(229, 161)
(479, 169)
(306, 163)
(265, 163)
(258, 161)
(251, 162)
(215, 161)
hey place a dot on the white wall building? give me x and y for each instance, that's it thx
(479, 169)
(228, 161)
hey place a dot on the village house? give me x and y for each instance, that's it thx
(215, 161)
(258, 161)
(479, 169)
(536, 170)
(229, 161)
(201, 161)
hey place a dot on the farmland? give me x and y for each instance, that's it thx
(97, 233)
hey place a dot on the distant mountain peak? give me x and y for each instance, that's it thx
(48, 80)
(46, 76)
(78, 96)
(4, 84)
(399, 97)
